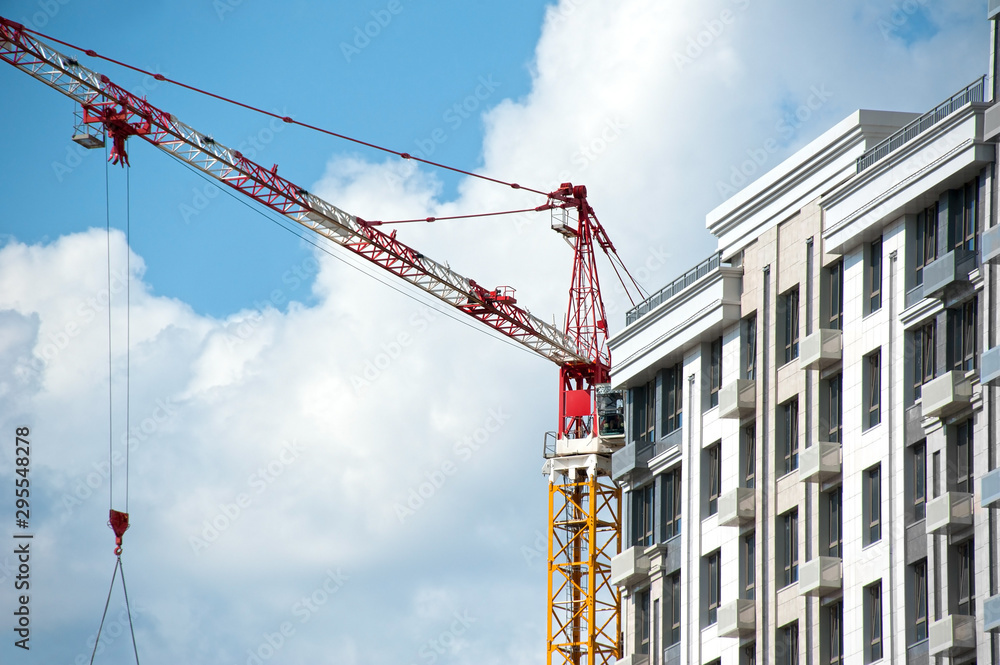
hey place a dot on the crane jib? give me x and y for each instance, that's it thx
(134, 116)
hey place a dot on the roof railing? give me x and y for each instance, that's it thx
(974, 92)
(710, 264)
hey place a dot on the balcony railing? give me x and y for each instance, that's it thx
(971, 93)
(710, 264)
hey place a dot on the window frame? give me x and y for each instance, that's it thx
(963, 335)
(966, 232)
(834, 394)
(834, 651)
(873, 276)
(790, 324)
(643, 515)
(714, 485)
(670, 489)
(790, 547)
(925, 249)
(749, 448)
(713, 586)
(924, 356)
(672, 608)
(918, 480)
(918, 580)
(643, 632)
(874, 647)
(748, 567)
(873, 389)
(790, 641)
(673, 399)
(872, 499)
(749, 344)
(790, 435)
(715, 372)
(965, 596)
(835, 297)
(834, 523)
(965, 451)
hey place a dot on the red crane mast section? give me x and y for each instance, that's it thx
(584, 622)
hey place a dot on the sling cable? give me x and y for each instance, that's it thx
(118, 520)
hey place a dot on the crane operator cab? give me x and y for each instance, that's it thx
(610, 412)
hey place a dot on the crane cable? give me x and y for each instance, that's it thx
(612, 254)
(285, 118)
(118, 521)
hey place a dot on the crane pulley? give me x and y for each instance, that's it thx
(585, 506)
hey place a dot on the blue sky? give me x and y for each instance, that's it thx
(267, 375)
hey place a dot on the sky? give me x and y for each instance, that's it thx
(324, 465)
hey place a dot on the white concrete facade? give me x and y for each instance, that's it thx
(892, 492)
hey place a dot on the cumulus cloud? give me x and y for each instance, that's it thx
(357, 433)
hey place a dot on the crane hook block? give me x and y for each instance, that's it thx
(118, 522)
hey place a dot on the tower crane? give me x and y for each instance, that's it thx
(584, 526)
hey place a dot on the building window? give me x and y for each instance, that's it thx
(966, 578)
(833, 522)
(750, 347)
(963, 456)
(833, 634)
(832, 412)
(925, 247)
(714, 463)
(671, 491)
(918, 480)
(715, 373)
(918, 608)
(642, 516)
(713, 581)
(789, 535)
(788, 433)
(672, 608)
(787, 648)
(962, 337)
(788, 313)
(644, 412)
(642, 623)
(835, 295)
(924, 356)
(749, 462)
(873, 276)
(966, 226)
(748, 561)
(673, 394)
(873, 622)
(872, 500)
(872, 389)
(748, 654)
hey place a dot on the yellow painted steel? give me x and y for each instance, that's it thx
(584, 621)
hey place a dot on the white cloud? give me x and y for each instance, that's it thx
(317, 421)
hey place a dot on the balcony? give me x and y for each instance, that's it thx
(989, 366)
(991, 614)
(737, 399)
(990, 489)
(629, 567)
(991, 244)
(819, 462)
(821, 575)
(947, 272)
(821, 349)
(952, 636)
(737, 619)
(950, 512)
(736, 507)
(945, 395)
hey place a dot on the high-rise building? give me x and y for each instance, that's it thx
(810, 472)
